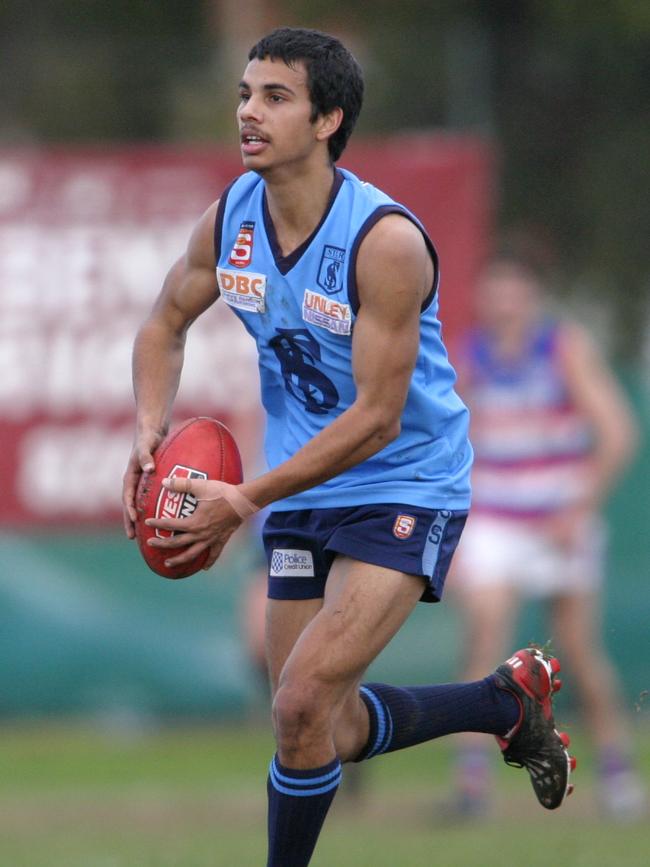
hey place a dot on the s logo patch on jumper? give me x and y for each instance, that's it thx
(326, 313)
(291, 563)
(330, 270)
(243, 291)
(404, 526)
(242, 251)
(172, 504)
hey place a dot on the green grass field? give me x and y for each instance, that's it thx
(74, 796)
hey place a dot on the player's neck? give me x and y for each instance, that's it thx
(297, 203)
(511, 342)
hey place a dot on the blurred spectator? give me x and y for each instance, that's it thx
(551, 431)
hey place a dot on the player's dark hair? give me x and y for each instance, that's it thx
(506, 256)
(334, 77)
(530, 251)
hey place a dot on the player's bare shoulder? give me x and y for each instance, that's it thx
(394, 254)
(190, 286)
(576, 345)
(200, 249)
(199, 287)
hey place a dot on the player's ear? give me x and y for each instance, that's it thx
(327, 124)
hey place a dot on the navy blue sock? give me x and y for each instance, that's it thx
(404, 716)
(298, 804)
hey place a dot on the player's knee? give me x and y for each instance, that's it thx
(299, 714)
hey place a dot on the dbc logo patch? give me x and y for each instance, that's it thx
(242, 251)
(175, 505)
(244, 291)
(330, 270)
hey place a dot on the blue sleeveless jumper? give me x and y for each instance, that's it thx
(300, 310)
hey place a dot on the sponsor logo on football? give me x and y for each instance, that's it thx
(330, 270)
(404, 526)
(243, 291)
(326, 313)
(172, 504)
(291, 562)
(242, 251)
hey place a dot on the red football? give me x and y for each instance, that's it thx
(201, 448)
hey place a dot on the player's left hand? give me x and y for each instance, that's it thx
(210, 526)
(566, 529)
(140, 461)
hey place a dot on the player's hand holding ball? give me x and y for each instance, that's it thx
(189, 505)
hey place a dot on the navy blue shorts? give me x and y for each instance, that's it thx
(301, 545)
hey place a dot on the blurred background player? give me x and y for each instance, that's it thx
(552, 431)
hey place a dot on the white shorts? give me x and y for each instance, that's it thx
(503, 552)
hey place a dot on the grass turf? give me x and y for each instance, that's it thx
(75, 796)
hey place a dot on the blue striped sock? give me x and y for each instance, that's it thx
(298, 804)
(404, 716)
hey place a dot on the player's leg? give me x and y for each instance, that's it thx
(486, 581)
(312, 672)
(317, 696)
(399, 717)
(488, 616)
(574, 618)
(577, 632)
(285, 621)
(298, 568)
(488, 612)
(321, 717)
(319, 713)
(253, 620)
(403, 716)
(483, 587)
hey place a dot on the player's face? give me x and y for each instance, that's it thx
(274, 115)
(507, 298)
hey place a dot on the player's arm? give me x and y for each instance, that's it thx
(189, 288)
(596, 393)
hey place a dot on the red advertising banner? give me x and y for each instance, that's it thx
(85, 241)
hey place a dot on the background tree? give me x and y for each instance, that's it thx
(559, 86)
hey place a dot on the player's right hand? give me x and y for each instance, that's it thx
(567, 528)
(140, 461)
